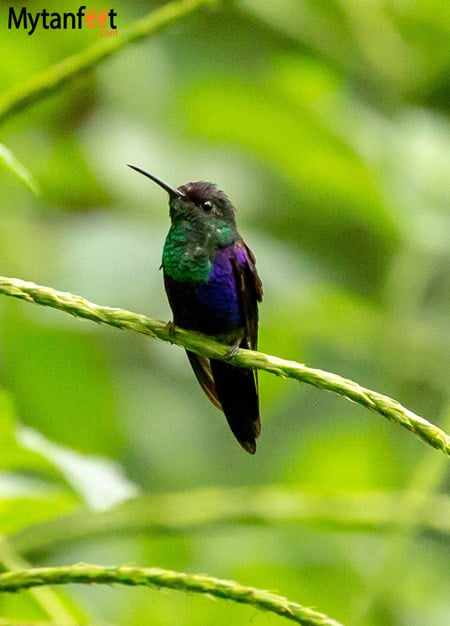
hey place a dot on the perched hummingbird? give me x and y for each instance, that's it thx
(213, 288)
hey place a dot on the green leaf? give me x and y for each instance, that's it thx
(99, 481)
(18, 513)
(14, 457)
(8, 160)
(32, 489)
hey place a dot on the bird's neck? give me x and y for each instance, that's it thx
(189, 249)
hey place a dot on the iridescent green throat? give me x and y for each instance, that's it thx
(188, 255)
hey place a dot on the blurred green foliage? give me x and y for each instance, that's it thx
(327, 123)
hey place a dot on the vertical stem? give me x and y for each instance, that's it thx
(428, 475)
(405, 292)
(48, 600)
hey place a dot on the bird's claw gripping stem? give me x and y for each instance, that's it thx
(234, 349)
(170, 328)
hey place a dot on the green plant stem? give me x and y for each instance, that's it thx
(38, 87)
(209, 508)
(160, 578)
(201, 344)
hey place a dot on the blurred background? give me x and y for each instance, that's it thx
(327, 124)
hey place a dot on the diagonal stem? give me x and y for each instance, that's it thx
(201, 344)
(50, 80)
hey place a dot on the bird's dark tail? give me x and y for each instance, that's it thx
(237, 391)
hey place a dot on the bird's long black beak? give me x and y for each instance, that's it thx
(173, 193)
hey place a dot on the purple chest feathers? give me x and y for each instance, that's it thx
(220, 295)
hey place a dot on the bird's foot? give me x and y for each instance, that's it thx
(234, 349)
(170, 328)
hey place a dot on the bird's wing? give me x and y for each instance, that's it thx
(235, 390)
(250, 292)
(202, 370)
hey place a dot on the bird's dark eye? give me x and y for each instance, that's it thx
(207, 205)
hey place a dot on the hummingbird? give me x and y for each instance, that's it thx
(213, 287)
